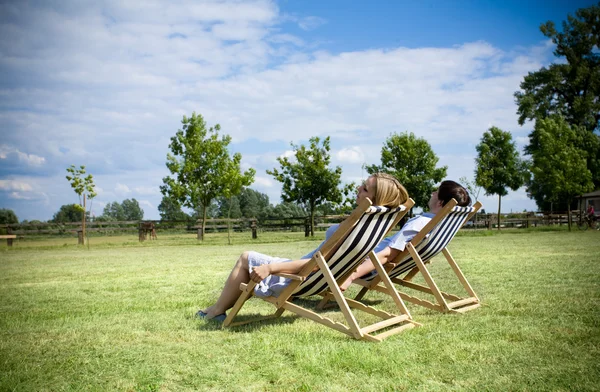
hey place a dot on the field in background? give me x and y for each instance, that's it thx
(119, 316)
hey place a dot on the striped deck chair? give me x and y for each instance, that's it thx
(430, 241)
(340, 255)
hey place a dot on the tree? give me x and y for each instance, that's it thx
(68, 213)
(132, 210)
(235, 181)
(170, 210)
(309, 180)
(571, 88)
(199, 161)
(84, 187)
(412, 161)
(8, 216)
(558, 166)
(253, 203)
(498, 165)
(113, 212)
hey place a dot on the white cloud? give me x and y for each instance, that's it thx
(122, 189)
(21, 196)
(146, 203)
(352, 154)
(288, 154)
(263, 182)
(311, 22)
(30, 159)
(11, 185)
(146, 190)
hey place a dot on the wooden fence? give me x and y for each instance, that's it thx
(150, 228)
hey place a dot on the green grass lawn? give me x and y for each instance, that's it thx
(119, 316)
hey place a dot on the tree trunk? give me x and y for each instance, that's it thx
(569, 219)
(229, 223)
(83, 222)
(203, 224)
(499, 203)
(312, 220)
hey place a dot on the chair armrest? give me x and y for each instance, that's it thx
(291, 276)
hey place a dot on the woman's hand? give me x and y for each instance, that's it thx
(260, 272)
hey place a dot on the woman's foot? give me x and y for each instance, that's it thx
(205, 316)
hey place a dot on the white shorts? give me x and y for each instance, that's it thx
(271, 285)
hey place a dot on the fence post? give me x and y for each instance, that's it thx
(306, 227)
(141, 232)
(489, 221)
(253, 227)
(80, 237)
(9, 241)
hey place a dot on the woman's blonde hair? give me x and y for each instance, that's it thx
(388, 191)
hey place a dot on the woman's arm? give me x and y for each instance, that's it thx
(290, 267)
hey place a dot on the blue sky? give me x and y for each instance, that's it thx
(105, 84)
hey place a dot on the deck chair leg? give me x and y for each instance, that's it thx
(326, 298)
(411, 274)
(459, 274)
(387, 283)
(339, 297)
(247, 290)
(361, 293)
(427, 276)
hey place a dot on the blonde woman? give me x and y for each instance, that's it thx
(382, 189)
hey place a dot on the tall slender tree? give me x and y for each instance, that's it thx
(412, 161)
(85, 188)
(199, 161)
(235, 181)
(308, 179)
(498, 165)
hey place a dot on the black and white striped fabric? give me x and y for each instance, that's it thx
(363, 237)
(434, 243)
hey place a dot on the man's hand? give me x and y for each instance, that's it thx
(260, 272)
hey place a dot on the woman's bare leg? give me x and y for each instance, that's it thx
(231, 291)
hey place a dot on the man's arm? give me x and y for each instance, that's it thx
(385, 255)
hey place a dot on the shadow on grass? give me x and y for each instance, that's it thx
(288, 318)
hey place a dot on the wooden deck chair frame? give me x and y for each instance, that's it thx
(392, 323)
(444, 302)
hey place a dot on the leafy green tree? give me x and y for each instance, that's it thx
(309, 180)
(68, 213)
(284, 210)
(170, 210)
(570, 88)
(412, 161)
(132, 210)
(252, 203)
(558, 166)
(199, 161)
(235, 181)
(498, 165)
(113, 212)
(229, 206)
(84, 187)
(8, 216)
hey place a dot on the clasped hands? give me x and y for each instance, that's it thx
(260, 272)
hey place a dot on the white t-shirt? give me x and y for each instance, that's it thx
(408, 231)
